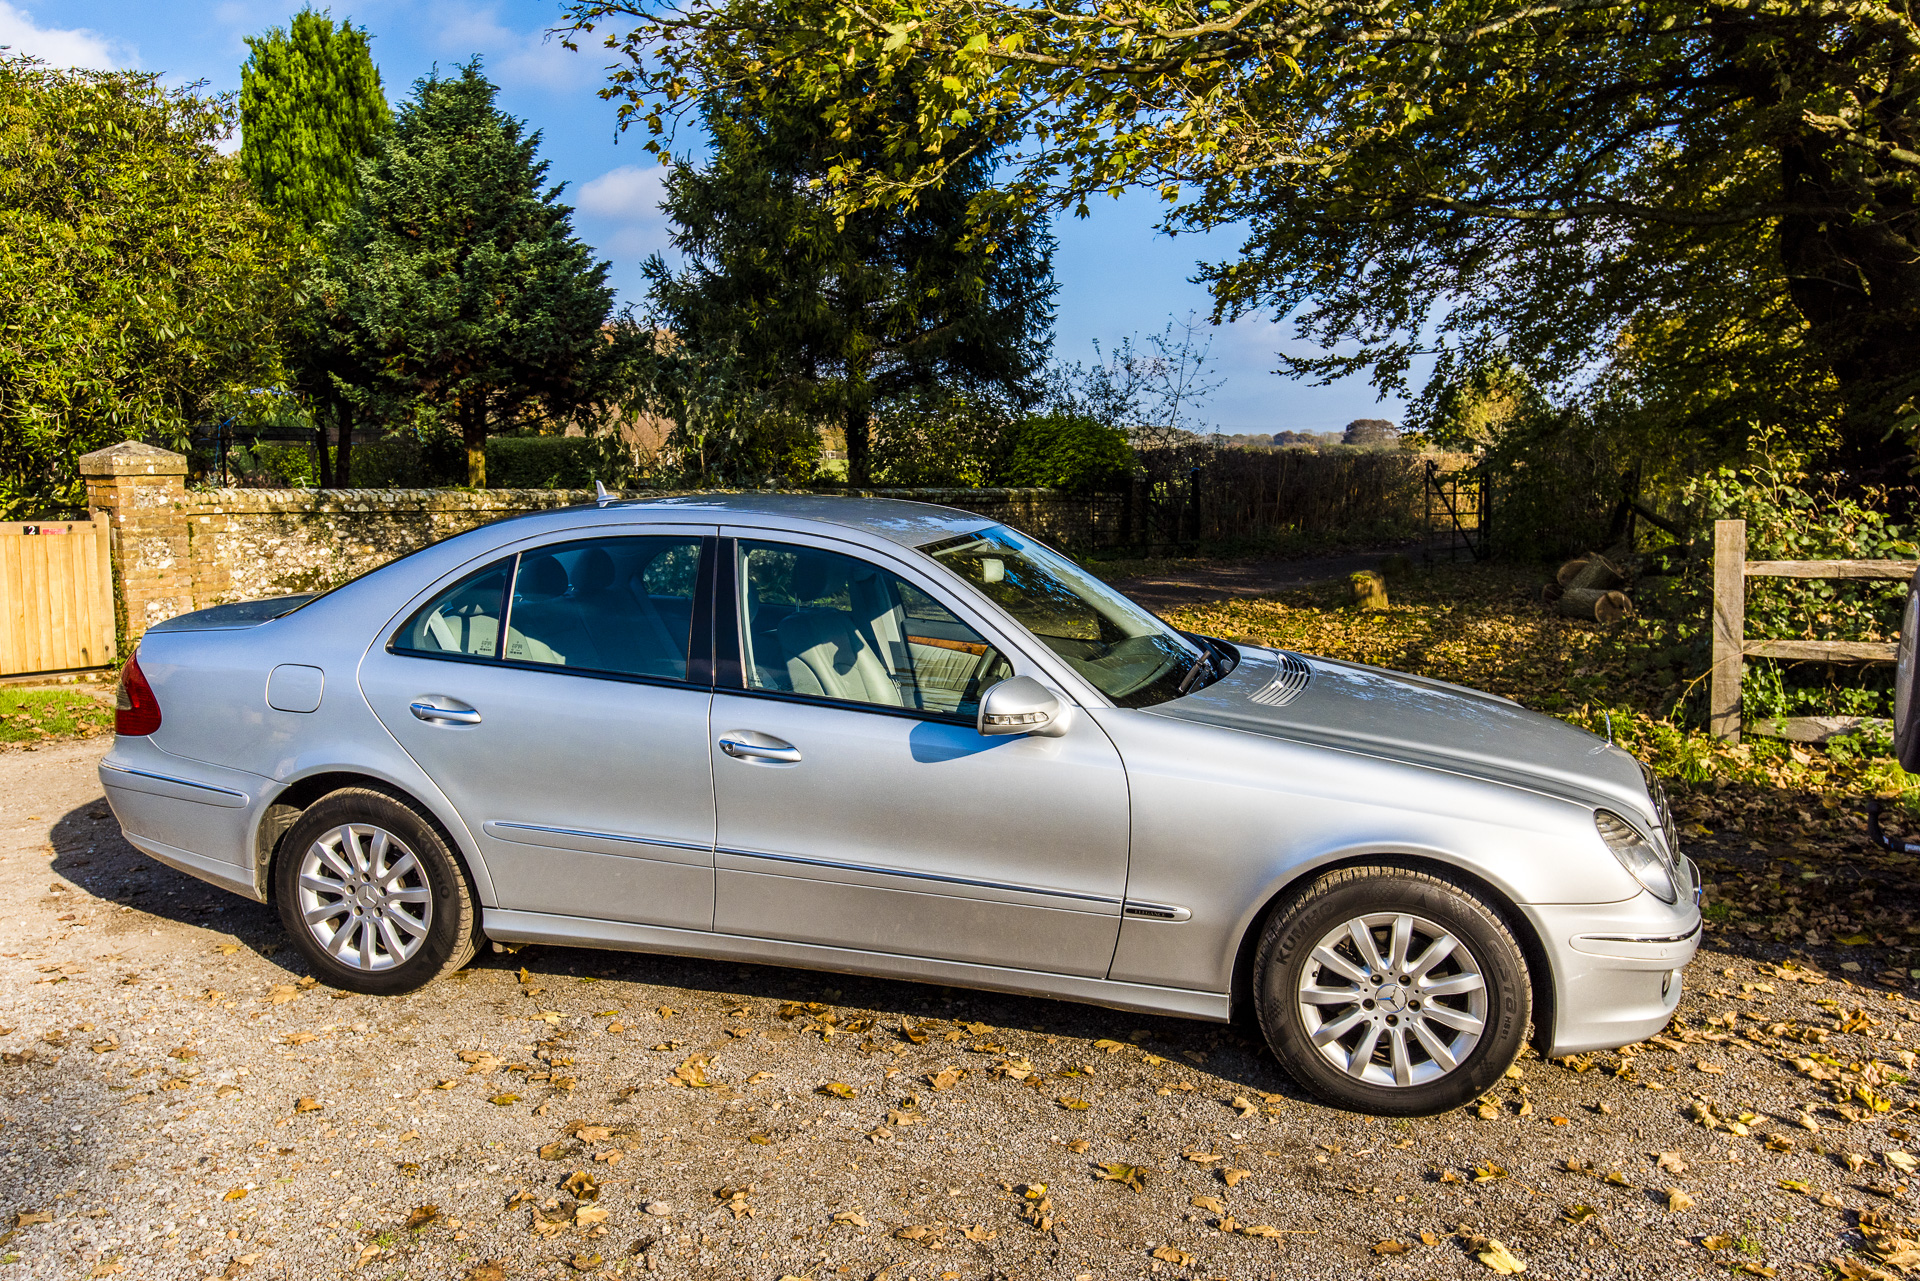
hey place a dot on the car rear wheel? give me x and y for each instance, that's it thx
(373, 897)
(1392, 990)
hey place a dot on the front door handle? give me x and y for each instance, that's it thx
(449, 715)
(741, 750)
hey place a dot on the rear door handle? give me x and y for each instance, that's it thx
(449, 715)
(741, 750)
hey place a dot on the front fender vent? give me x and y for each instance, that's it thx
(1290, 679)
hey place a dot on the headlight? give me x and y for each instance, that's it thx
(1649, 865)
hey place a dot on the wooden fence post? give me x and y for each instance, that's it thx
(1729, 627)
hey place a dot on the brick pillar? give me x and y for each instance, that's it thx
(143, 492)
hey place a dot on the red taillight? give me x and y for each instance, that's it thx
(136, 711)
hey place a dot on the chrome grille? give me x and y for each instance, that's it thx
(1292, 675)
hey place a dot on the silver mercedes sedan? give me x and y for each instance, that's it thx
(900, 740)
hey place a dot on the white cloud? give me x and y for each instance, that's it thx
(514, 59)
(624, 206)
(60, 46)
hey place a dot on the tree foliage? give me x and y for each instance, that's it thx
(310, 109)
(1551, 179)
(835, 312)
(455, 286)
(139, 279)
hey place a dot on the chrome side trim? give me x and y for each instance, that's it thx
(490, 826)
(920, 876)
(1155, 911)
(240, 797)
(573, 931)
(1642, 938)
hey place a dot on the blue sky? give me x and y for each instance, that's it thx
(1116, 276)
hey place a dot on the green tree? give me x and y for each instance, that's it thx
(310, 109)
(454, 287)
(140, 281)
(836, 312)
(1538, 179)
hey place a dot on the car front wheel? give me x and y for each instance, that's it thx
(370, 893)
(1392, 990)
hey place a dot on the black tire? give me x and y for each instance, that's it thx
(1285, 1000)
(434, 941)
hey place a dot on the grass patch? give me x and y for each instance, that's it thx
(31, 716)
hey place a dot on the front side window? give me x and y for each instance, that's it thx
(832, 626)
(1122, 650)
(622, 606)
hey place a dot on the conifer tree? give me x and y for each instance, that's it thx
(310, 109)
(835, 314)
(455, 285)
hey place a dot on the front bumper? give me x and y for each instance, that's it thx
(1616, 966)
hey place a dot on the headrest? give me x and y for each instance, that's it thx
(593, 572)
(541, 578)
(817, 574)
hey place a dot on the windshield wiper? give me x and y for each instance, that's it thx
(1204, 663)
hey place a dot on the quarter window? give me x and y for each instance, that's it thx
(465, 619)
(819, 623)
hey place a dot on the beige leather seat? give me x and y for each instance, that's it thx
(826, 656)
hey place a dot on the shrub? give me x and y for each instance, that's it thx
(1067, 451)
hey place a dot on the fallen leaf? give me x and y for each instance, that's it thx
(1213, 1205)
(301, 1038)
(1389, 1247)
(1133, 1176)
(1719, 1241)
(1233, 1177)
(588, 1215)
(26, 1218)
(581, 1186)
(1678, 1200)
(1671, 1162)
(852, 1218)
(1580, 1213)
(838, 1090)
(1073, 1105)
(504, 1100)
(1171, 1254)
(946, 1078)
(422, 1216)
(1499, 1259)
(234, 1194)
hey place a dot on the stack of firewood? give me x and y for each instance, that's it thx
(1587, 588)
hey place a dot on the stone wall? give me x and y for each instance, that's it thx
(177, 550)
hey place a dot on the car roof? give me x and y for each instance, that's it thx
(910, 524)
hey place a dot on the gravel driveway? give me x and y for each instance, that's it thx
(180, 1101)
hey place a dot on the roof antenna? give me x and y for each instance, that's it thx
(600, 495)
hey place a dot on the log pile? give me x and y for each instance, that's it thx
(1588, 588)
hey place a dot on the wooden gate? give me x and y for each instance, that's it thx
(56, 596)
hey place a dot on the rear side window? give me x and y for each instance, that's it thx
(620, 606)
(465, 619)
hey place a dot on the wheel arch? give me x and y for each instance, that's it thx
(1539, 967)
(279, 815)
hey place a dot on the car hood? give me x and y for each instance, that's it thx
(240, 614)
(1423, 722)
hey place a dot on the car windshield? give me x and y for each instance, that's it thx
(1126, 653)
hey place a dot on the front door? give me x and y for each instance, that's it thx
(570, 738)
(858, 807)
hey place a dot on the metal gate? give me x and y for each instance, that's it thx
(56, 596)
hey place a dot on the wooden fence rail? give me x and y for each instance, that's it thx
(1731, 570)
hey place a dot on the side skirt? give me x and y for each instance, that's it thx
(576, 931)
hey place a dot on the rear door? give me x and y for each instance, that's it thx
(550, 695)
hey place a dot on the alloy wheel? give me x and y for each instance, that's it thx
(1392, 999)
(364, 897)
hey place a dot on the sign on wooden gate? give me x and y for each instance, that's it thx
(56, 596)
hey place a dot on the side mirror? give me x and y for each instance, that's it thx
(1022, 705)
(1906, 716)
